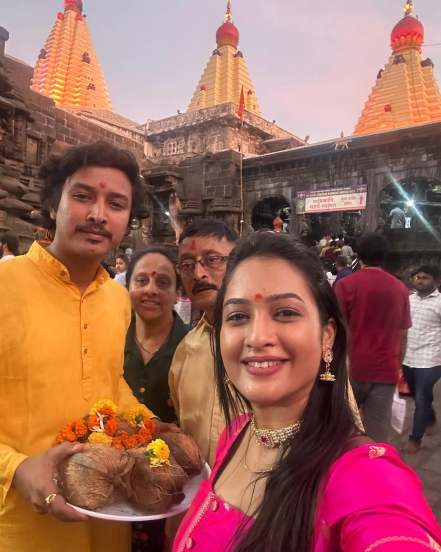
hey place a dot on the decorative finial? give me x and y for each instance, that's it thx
(408, 7)
(228, 14)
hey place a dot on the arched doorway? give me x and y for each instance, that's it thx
(267, 209)
(411, 204)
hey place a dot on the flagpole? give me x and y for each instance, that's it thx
(242, 201)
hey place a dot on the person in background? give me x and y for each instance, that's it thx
(292, 471)
(376, 307)
(183, 307)
(341, 266)
(121, 264)
(204, 247)
(62, 333)
(422, 362)
(155, 332)
(346, 249)
(397, 217)
(9, 247)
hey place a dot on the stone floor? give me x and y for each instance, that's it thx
(427, 461)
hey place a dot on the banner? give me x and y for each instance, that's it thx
(332, 200)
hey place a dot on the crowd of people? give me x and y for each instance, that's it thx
(262, 380)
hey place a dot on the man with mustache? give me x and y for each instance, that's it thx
(204, 247)
(62, 333)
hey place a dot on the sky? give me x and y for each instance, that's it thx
(313, 62)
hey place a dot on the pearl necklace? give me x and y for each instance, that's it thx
(272, 438)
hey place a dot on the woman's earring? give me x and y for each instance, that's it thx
(227, 380)
(327, 374)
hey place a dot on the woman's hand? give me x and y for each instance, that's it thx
(164, 427)
(35, 480)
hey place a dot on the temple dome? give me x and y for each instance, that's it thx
(227, 35)
(408, 30)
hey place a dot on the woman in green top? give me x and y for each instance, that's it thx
(153, 336)
(156, 329)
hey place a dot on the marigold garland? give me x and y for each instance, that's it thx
(101, 426)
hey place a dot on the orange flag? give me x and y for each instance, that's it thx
(241, 110)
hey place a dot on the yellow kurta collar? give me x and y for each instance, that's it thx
(48, 263)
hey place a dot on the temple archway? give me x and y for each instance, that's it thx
(267, 209)
(411, 204)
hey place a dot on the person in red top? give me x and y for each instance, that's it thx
(376, 307)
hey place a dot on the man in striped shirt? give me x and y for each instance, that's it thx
(422, 362)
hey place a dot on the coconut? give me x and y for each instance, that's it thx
(185, 451)
(154, 489)
(93, 478)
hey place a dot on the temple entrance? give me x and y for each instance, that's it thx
(266, 210)
(413, 204)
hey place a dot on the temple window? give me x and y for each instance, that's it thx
(85, 57)
(33, 150)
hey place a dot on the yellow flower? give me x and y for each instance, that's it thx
(135, 415)
(100, 438)
(105, 407)
(158, 452)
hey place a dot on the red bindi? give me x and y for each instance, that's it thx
(153, 274)
(258, 297)
(193, 244)
(102, 185)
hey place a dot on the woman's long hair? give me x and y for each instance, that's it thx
(284, 521)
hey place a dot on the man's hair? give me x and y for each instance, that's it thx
(11, 242)
(342, 261)
(209, 227)
(432, 270)
(57, 170)
(372, 249)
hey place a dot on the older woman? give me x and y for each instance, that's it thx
(153, 336)
(156, 329)
(293, 473)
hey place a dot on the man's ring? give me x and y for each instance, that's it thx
(50, 498)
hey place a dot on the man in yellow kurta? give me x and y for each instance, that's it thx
(62, 329)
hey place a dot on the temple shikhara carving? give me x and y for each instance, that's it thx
(406, 92)
(226, 73)
(67, 69)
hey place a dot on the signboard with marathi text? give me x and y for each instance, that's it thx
(332, 200)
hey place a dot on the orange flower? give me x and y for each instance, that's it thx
(129, 441)
(79, 428)
(110, 426)
(144, 436)
(66, 434)
(92, 422)
(149, 425)
(117, 443)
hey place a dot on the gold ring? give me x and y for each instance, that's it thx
(50, 498)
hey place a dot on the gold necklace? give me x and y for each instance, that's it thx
(256, 472)
(272, 438)
(145, 348)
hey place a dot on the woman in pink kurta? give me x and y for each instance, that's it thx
(327, 488)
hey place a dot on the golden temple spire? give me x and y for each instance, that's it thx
(406, 92)
(408, 8)
(67, 69)
(228, 14)
(226, 73)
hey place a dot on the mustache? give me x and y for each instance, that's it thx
(95, 229)
(203, 286)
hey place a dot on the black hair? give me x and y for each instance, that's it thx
(209, 227)
(432, 270)
(11, 242)
(169, 252)
(56, 170)
(342, 261)
(124, 257)
(285, 518)
(373, 249)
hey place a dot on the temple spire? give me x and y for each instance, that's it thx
(67, 68)
(228, 14)
(408, 8)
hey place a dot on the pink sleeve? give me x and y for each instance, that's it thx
(373, 501)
